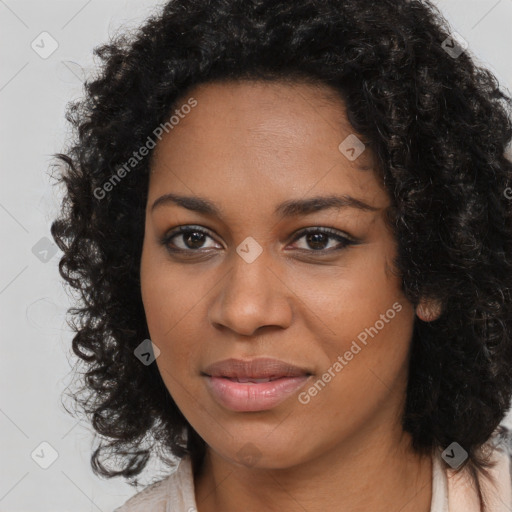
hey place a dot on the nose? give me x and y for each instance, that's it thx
(252, 296)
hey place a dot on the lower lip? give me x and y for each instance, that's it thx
(241, 396)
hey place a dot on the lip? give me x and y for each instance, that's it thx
(249, 396)
(259, 368)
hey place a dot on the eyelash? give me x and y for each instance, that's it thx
(182, 230)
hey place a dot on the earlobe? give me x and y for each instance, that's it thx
(428, 310)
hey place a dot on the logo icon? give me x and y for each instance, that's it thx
(147, 352)
(249, 249)
(44, 455)
(454, 45)
(44, 249)
(248, 454)
(351, 147)
(44, 45)
(454, 455)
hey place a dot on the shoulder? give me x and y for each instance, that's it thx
(500, 492)
(502, 440)
(502, 444)
(166, 494)
(153, 497)
(496, 487)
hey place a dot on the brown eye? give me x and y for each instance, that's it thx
(317, 239)
(193, 239)
(189, 239)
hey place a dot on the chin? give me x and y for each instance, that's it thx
(261, 455)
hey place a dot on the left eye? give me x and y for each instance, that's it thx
(193, 238)
(318, 238)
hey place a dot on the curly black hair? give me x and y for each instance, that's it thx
(439, 126)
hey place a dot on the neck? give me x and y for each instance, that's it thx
(369, 471)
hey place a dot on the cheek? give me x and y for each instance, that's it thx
(173, 298)
(168, 302)
(365, 317)
(169, 293)
(352, 295)
(168, 312)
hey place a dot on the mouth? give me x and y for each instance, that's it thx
(253, 396)
(255, 385)
(252, 370)
(248, 380)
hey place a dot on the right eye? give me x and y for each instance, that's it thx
(192, 239)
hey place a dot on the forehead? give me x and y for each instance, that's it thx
(260, 135)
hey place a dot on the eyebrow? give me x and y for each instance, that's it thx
(290, 208)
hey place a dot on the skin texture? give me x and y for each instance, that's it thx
(248, 146)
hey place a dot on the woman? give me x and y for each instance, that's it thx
(290, 229)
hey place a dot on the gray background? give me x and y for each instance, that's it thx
(36, 362)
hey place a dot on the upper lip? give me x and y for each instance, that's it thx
(260, 368)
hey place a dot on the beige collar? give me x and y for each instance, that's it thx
(453, 492)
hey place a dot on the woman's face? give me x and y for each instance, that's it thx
(245, 282)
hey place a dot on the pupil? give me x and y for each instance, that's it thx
(195, 237)
(314, 239)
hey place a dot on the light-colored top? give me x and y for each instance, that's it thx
(450, 492)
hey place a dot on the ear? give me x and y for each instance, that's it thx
(428, 310)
